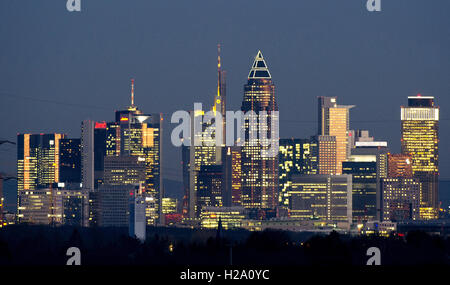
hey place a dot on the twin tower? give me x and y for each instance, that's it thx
(237, 176)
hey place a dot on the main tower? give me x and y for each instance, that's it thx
(259, 173)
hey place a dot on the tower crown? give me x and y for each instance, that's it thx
(259, 68)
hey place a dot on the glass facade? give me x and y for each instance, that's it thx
(259, 174)
(420, 138)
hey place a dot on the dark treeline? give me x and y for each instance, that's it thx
(39, 245)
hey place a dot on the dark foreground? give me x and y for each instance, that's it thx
(36, 245)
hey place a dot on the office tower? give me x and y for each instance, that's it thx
(325, 153)
(93, 151)
(113, 205)
(195, 157)
(400, 166)
(37, 164)
(400, 199)
(137, 215)
(323, 197)
(334, 121)
(137, 134)
(366, 201)
(296, 156)
(209, 187)
(232, 171)
(70, 160)
(121, 170)
(420, 138)
(259, 173)
(364, 189)
(229, 217)
(57, 204)
(205, 152)
(37, 160)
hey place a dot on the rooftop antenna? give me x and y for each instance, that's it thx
(132, 92)
(218, 70)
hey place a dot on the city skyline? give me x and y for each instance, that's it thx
(388, 65)
(258, 136)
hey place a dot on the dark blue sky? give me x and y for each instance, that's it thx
(58, 68)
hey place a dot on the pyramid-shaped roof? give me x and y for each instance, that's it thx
(259, 68)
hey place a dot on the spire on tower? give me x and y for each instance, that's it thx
(218, 100)
(132, 92)
(218, 70)
(259, 68)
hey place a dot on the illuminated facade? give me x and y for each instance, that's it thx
(321, 197)
(37, 164)
(169, 205)
(259, 174)
(196, 158)
(232, 176)
(57, 205)
(230, 217)
(364, 189)
(205, 189)
(400, 166)
(209, 187)
(326, 153)
(334, 121)
(137, 134)
(420, 138)
(120, 170)
(296, 156)
(400, 199)
(367, 158)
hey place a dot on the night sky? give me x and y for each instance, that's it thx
(59, 68)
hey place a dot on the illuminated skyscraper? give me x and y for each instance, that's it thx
(37, 163)
(137, 134)
(205, 155)
(334, 121)
(195, 158)
(364, 189)
(400, 199)
(326, 153)
(259, 173)
(420, 138)
(232, 172)
(368, 165)
(209, 187)
(296, 156)
(37, 160)
(120, 170)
